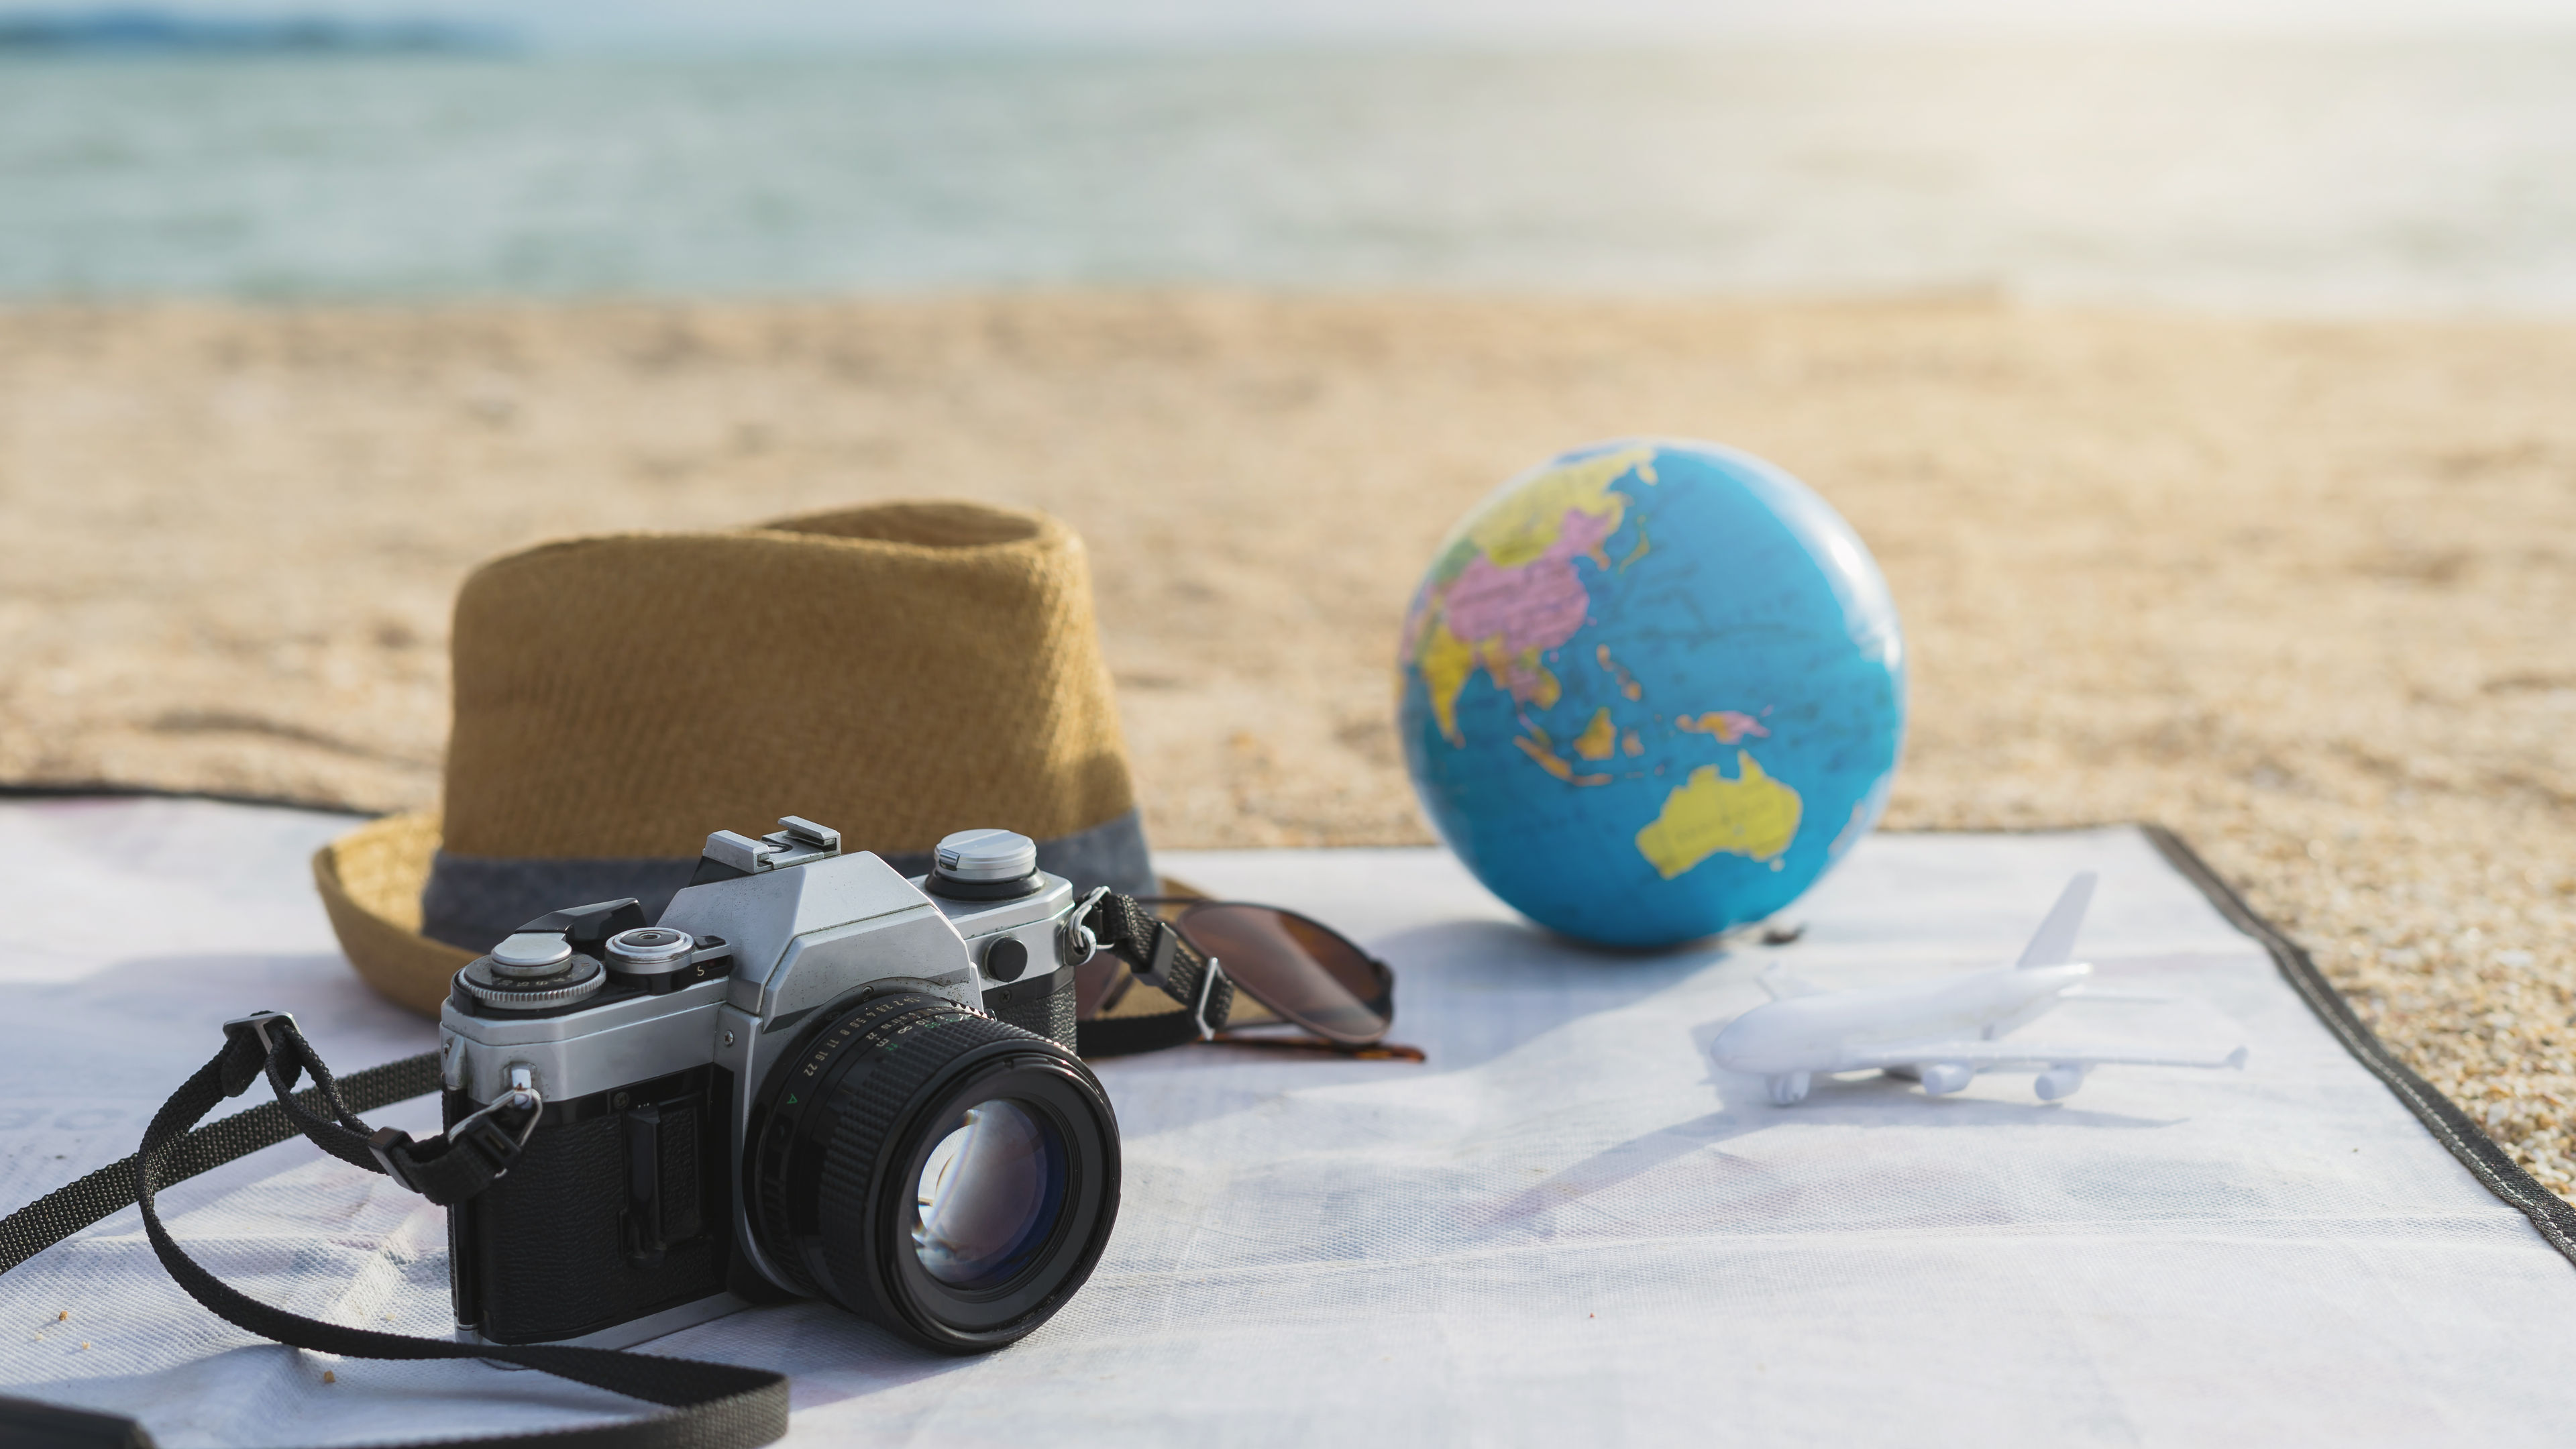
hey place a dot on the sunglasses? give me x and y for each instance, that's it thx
(1300, 971)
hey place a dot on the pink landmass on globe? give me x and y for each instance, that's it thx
(1538, 605)
(1727, 724)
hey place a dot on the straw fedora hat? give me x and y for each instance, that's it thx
(898, 672)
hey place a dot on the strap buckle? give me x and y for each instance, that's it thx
(238, 1074)
(1167, 951)
(1207, 990)
(258, 1024)
(483, 1134)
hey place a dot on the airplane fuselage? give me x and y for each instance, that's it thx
(1822, 1033)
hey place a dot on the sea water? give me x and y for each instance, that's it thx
(2423, 175)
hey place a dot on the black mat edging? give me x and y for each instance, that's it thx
(2453, 1127)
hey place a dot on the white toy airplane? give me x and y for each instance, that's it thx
(1939, 1032)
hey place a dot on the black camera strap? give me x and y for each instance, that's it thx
(1161, 956)
(712, 1406)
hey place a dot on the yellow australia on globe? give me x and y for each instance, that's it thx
(1752, 815)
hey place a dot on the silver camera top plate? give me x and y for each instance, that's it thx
(798, 934)
(802, 938)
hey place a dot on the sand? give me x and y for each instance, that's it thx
(2298, 590)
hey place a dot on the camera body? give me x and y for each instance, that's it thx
(810, 1077)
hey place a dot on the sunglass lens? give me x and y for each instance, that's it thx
(1098, 983)
(1296, 968)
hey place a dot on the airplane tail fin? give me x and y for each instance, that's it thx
(2054, 945)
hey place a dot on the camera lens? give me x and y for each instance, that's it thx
(947, 1175)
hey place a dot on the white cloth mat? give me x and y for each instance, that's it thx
(1563, 1229)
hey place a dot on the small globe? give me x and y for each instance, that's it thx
(1652, 689)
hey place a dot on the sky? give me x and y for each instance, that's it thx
(1497, 20)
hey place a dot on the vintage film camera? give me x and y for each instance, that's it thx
(811, 1078)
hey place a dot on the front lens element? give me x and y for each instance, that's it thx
(989, 1196)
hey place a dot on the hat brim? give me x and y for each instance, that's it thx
(370, 880)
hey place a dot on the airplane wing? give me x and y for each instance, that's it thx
(2054, 945)
(1776, 979)
(2009, 1052)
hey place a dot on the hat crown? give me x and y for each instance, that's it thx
(901, 670)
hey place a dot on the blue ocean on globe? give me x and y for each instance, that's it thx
(1652, 689)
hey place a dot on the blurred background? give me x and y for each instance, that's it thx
(2198, 371)
(2279, 155)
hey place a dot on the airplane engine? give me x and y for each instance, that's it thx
(1789, 1088)
(2058, 1083)
(1940, 1079)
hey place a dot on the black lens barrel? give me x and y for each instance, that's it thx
(841, 1133)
